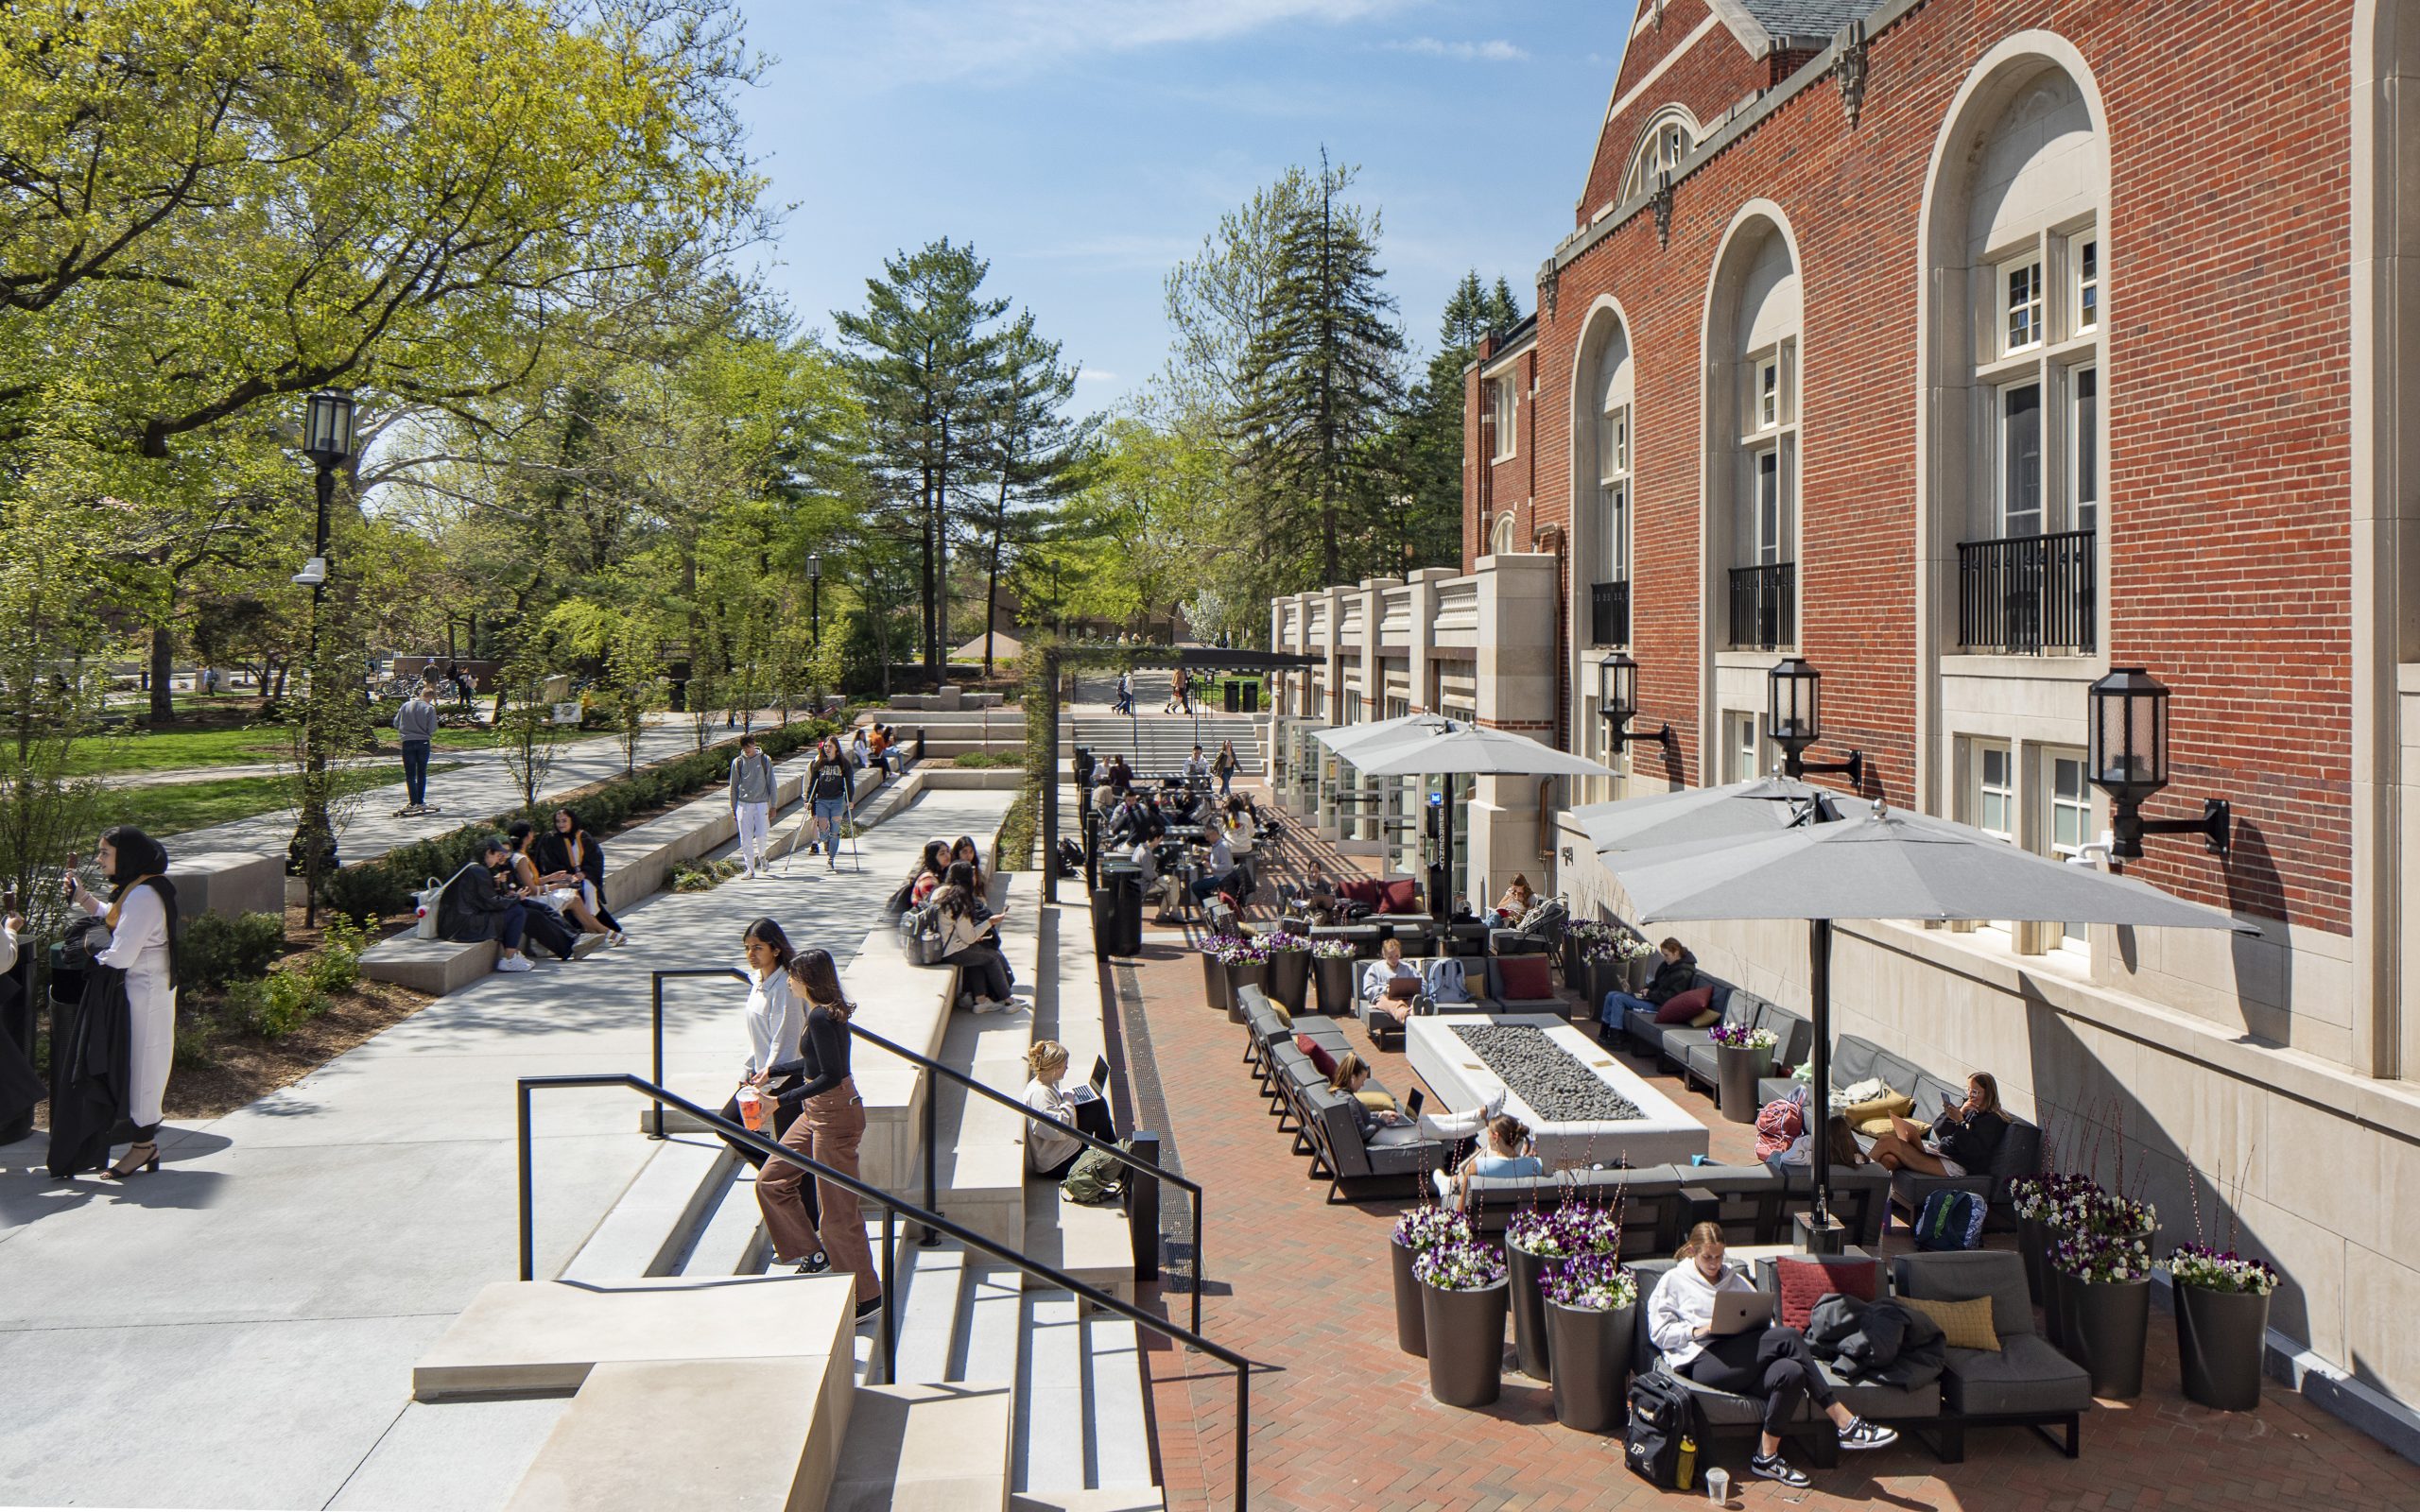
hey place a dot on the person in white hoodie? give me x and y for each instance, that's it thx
(775, 1019)
(1773, 1362)
(751, 801)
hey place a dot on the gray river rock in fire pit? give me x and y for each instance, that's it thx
(1556, 1084)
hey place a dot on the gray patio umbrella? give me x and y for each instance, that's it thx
(1342, 738)
(1886, 865)
(1762, 806)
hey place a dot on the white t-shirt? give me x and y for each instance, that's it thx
(775, 1022)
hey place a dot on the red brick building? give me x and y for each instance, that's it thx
(1969, 348)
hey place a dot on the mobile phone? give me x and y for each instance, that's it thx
(69, 885)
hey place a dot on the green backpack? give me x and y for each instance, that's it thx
(1094, 1180)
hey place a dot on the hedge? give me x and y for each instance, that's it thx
(374, 890)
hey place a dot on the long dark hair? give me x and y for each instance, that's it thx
(956, 896)
(766, 932)
(819, 981)
(140, 858)
(936, 858)
(518, 831)
(974, 858)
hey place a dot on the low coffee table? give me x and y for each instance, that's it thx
(1584, 1107)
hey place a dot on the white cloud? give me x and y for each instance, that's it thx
(1495, 50)
(894, 41)
(1096, 376)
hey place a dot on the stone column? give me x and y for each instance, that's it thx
(1517, 600)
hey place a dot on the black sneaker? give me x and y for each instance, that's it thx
(815, 1264)
(869, 1308)
(1863, 1434)
(1774, 1467)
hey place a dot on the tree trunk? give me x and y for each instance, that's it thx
(992, 592)
(164, 642)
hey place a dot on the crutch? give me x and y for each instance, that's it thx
(798, 832)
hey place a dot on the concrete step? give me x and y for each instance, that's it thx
(535, 1338)
(1111, 1499)
(733, 1241)
(650, 1229)
(1114, 1389)
(1088, 1244)
(1053, 1433)
(925, 1448)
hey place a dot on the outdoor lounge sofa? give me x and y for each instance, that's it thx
(1648, 1196)
(1327, 1127)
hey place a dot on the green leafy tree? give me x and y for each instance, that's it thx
(525, 728)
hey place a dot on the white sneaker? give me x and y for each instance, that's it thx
(513, 963)
(617, 937)
(992, 1006)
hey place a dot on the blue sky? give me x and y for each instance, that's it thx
(1086, 146)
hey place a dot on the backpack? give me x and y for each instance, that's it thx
(1662, 1413)
(1778, 1126)
(1447, 983)
(919, 934)
(1096, 1179)
(1950, 1219)
(1071, 858)
(429, 901)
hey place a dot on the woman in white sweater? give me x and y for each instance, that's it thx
(774, 1019)
(142, 915)
(967, 941)
(1773, 1362)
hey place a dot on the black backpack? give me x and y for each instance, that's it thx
(1071, 858)
(1661, 1415)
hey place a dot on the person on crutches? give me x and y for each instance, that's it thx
(828, 791)
(751, 801)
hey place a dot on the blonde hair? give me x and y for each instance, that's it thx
(1702, 1237)
(1348, 1066)
(1044, 1055)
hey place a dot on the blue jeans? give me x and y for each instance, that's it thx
(415, 771)
(1616, 1009)
(517, 918)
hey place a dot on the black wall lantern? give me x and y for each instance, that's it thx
(2129, 762)
(1794, 715)
(1617, 701)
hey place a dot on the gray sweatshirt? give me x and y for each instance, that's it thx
(417, 720)
(752, 779)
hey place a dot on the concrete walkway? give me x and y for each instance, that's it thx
(238, 1329)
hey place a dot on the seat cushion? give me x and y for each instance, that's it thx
(2026, 1375)
(1359, 890)
(1885, 1404)
(1803, 1281)
(1740, 1007)
(1701, 1061)
(1852, 1061)
(1677, 1041)
(1525, 978)
(1965, 1325)
(1686, 1006)
(1321, 1061)
(1956, 1275)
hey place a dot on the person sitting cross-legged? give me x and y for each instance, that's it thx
(1674, 974)
(1390, 984)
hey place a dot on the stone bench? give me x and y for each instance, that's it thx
(438, 967)
(909, 1005)
(227, 883)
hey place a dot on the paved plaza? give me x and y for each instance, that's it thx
(238, 1329)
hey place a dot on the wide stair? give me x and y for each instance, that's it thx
(1156, 745)
(1008, 1396)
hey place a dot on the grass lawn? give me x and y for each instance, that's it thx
(143, 751)
(173, 808)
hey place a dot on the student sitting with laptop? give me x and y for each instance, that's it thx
(1716, 1328)
(1050, 1153)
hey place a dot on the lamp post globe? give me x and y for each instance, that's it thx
(1617, 687)
(2127, 735)
(328, 427)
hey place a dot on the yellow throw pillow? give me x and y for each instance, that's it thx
(1378, 1102)
(1283, 1017)
(1706, 1019)
(1875, 1126)
(1964, 1325)
(1889, 1105)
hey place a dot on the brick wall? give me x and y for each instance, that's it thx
(1709, 78)
(2227, 410)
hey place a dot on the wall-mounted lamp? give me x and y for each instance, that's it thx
(2128, 760)
(1794, 715)
(1617, 701)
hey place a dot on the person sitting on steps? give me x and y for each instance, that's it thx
(967, 943)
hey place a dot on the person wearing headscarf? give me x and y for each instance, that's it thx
(141, 912)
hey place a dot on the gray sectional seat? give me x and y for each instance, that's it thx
(2027, 1382)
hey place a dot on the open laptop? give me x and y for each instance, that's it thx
(1095, 1086)
(1414, 1104)
(1738, 1312)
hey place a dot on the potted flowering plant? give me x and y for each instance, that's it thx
(1534, 1239)
(1463, 1292)
(2105, 1297)
(1289, 969)
(1214, 969)
(2221, 1323)
(2034, 1199)
(1332, 972)
(1592, 1307)
(1740, 1055)
(1419, 1231)
(1247, 961)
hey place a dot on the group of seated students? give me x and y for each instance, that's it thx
(950, 877)
(527, 890)
(876, 744)
(1136, 825)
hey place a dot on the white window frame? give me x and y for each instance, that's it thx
(1613, 490)
(1744, 746)
(1980, 789)
(2081, 464)
(2012, 306)
(1767, 547)
(2002, 503)
(1499, 540)
(1503, 404)
(2087, 314)
(1765, 396)
(2055, 359)
(2069, 936)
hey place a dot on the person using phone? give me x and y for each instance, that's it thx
(11, 922)
(141, 911)
(1963, 1139)
(1772, 1363)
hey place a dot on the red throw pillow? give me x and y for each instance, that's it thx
(1359, 890)
(1399, 896)
(1320, 1060)
(1805, 1282)
(1525, 978)
(1686, 1006)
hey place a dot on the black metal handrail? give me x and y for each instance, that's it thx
(892, 1208)
(1764, 606)
(931, 1116)
(2028, 596)
(1609, 613)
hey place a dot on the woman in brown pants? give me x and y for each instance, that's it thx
(831, 1121)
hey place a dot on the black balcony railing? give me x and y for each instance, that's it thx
(1609, 613)
(2028, 596)
(1764, 606)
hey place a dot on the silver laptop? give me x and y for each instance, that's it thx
(1738, 1312)
(1097, 1085)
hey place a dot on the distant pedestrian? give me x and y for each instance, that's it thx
(751, 801)
(1125, 693)
(416, 721)
(1225, 767)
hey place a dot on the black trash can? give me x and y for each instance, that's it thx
(1123, 882)
(1251, 696)
(1235, 696)
(1105, 920)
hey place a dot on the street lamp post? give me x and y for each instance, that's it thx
(327, 440)
(815, 595)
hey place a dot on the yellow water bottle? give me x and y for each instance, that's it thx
(1688, 1473)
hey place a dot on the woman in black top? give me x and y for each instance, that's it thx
(831, 1122)
(1961, 1142)
(571, 857)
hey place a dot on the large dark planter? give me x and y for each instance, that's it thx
(2108, 1324)
(1736, 1072)
(2221, 1339)
(2033, 1247)
(1602, 977)
(1591, 1353)
(1465, 1344)
(1289, 977)
(1213, 980)
(1412, 1334)
(1243, 974)
(1529, 1308)
(1334, 978)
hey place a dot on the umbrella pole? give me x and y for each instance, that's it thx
(1820, 1238)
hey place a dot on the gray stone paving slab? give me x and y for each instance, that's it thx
(481, 1447)
(270, 1287)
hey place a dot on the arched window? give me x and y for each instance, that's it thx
(1501, 542)
(1753, 337)
(1671, 133)
(1601, 457)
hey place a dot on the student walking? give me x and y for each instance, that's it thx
(828, 782)
(142, 917)
(751, 801)
(416, 721)
(831, 1123)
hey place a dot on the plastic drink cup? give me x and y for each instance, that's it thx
(751, 1109)
(1718, 1485)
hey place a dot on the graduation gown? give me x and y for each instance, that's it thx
(93, 1078)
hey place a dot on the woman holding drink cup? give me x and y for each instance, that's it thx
(830, 1123)
(775, 1022)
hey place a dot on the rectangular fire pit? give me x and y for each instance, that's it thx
(1586, 1108)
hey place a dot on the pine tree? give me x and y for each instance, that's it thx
(1321, 382)
(1032, 447)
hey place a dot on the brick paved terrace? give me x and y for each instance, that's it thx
(1342, 1419)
